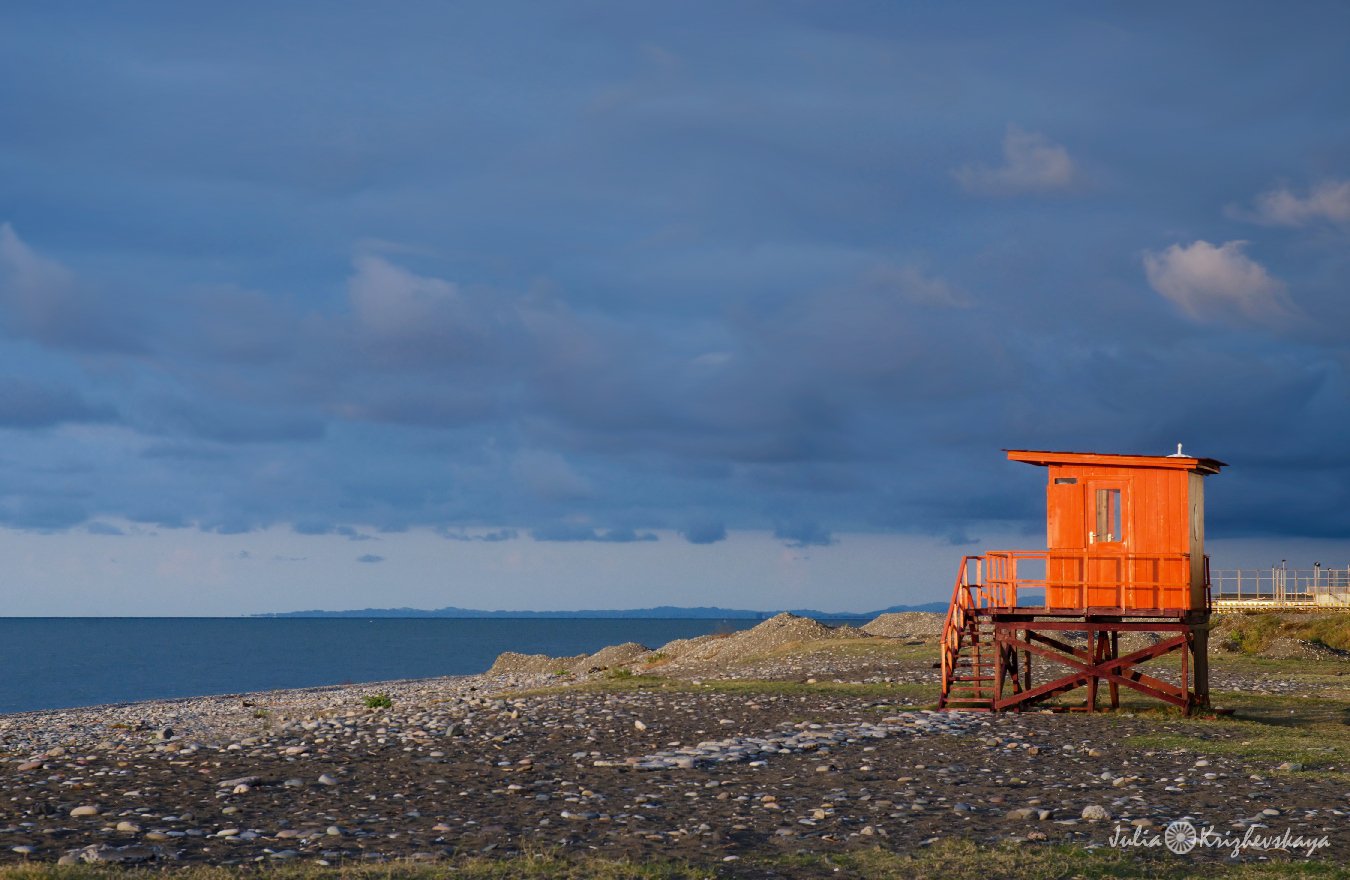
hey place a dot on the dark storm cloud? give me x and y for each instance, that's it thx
(804, 534)
(805, 270)
(704, 532)
(27, 404)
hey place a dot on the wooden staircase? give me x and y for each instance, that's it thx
(968, 650)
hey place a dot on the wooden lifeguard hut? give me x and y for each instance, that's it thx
(1125, 539)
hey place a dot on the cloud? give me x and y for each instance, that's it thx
(1210, 282)
(1032, 164)
(42, 300)
(1327, 201)
(370, 558)
(704, 532)
(102, 528)
(566, 532)
(912, 285)
(492, 537)
(804, 534)
(403, 319)
(549, 476)
(28, 404)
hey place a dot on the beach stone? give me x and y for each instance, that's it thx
(86, 810)
(1096, 813)
(325, 779)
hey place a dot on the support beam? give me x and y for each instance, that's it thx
(1101, 661)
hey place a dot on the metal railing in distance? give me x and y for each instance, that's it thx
(1278, 587)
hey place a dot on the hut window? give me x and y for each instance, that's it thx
(1066, 481)
(1109, 529)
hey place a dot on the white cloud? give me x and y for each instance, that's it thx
(30, 285)
(914, 286)
(1207, 282)
(1327, 201)
(1032, 163)
(390, 301)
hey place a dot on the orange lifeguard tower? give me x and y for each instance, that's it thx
(1125, 552)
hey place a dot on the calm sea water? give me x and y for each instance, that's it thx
(54, 663)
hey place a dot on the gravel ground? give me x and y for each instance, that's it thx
(705, 772)
(457, 766)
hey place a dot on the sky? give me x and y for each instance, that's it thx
(612, 304)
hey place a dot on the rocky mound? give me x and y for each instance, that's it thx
(707, 653)
(922, 625)
(702, 654)
(615, 655)
(511, 663)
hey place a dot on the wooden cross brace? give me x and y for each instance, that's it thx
(1088, 667)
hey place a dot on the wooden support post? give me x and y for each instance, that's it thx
(1000, 669)
(1200, 647)
(1026, 670)
(1115, 653)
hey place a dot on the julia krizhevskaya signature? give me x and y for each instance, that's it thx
(1182, 836)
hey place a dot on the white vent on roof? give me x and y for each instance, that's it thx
(1178, 453)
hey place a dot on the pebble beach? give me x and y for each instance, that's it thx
(520, 761)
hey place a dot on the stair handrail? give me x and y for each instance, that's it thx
(963, 602)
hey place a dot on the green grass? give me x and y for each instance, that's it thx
(922, 693)
(378, 701)
(527, 867)
(1254, 633)
(1267, 730)
(963, 860)
(951, 859)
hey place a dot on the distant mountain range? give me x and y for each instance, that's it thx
(661, 611)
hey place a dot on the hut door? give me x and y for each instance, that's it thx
(1106, 508)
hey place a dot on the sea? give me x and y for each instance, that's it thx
(62, 662)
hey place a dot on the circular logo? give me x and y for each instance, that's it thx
(1181, 837)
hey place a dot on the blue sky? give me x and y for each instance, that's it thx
(388, 297)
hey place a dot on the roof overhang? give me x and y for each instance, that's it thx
(1106, 459)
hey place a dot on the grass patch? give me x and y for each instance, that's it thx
(378, 701)
(963, 860)
(1264, 729)
(1253, 633)
(923, 694)
(525, 867)
(952, 859)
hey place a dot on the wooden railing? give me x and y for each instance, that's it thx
(1082, 579)
(968, 595)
